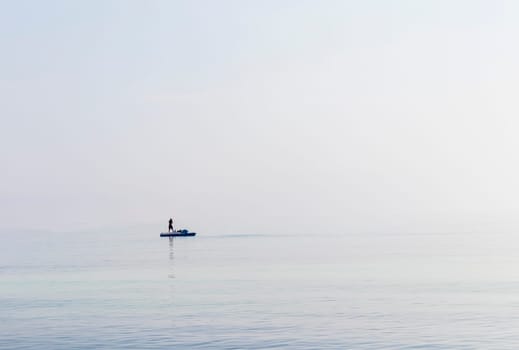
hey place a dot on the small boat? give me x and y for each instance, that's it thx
(179, 233)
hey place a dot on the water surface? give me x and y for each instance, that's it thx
(377, 291)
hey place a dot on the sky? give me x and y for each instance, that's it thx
(260, 116)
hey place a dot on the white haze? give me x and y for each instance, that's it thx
(260, 116)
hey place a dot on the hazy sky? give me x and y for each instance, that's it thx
(260, 116)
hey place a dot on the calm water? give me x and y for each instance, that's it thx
(107, 291)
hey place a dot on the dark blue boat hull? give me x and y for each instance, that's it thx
(177, 234)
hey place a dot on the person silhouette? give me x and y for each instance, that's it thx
(170, 228)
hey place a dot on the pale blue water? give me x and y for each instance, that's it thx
(351, 291)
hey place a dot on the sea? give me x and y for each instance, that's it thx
(105, 290)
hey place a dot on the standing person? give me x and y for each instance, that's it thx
(170, 228)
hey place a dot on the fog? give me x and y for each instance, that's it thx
(260, 116)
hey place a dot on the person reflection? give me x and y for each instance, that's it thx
(170, 248)
(171, 273)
